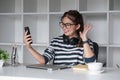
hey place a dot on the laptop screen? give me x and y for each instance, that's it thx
(48, 66)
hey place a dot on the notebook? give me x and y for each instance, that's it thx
(80, 67)
(48, 67)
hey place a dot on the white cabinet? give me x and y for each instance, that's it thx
(43, 17)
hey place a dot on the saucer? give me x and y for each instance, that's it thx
(96, 72)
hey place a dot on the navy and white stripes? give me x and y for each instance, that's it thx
(63, 54)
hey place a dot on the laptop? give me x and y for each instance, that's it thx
(48, 66)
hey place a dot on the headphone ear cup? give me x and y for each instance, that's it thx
(66, 39)
(74, 41)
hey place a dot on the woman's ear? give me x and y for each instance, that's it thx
(77, 26)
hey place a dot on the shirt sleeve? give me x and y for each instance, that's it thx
(48, 53)
(93, 58)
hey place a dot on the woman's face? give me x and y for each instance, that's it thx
(68, 27)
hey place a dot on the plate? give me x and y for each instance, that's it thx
(96, 72)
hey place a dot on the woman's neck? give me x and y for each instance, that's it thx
(74, 35)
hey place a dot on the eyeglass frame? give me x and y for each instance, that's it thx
(66, 25)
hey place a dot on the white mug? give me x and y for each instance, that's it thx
(95, 66)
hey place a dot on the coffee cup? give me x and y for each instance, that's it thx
(95, 66)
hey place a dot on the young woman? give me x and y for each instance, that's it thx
(71, 48)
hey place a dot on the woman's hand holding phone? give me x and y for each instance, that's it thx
(27, 37)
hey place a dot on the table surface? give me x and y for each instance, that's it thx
(21, 72)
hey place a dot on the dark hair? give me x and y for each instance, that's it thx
(76, 18)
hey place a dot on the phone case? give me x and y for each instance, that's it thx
(27, 29)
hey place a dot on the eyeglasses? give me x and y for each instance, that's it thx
(66, 25)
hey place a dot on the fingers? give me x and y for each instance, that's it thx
(83, 34)
(27, 38)
(87, 27)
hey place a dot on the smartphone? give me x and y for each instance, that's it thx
(28, 31)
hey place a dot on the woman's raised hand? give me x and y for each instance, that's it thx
(83, 34)
(27, 39)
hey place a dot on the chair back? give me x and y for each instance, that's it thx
(96, 49)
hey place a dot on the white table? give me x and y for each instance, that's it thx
(23, 73)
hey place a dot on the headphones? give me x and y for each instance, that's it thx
(72, 41)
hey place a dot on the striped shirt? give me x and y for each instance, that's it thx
(64, 54)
